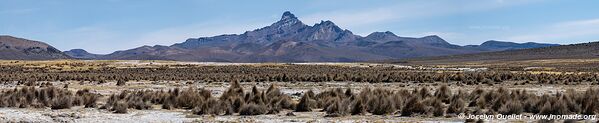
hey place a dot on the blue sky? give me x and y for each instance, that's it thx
(104, 26)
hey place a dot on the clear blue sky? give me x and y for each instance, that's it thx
(104, 26)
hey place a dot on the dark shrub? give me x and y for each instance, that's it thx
(252, 109)
(139, 104)
(88, 99)
(512, 107)
(120, 107)
(413, 106)
(236, 103)
(424, 92)
(456, 106)
(63, 102)
(383, 105)
(555, 107)
(436, 107)
(358, 107)
(337, 107)
(443, 93)
(305, 105)
(188, 99)
(167, 105)
(120, 82)
(211, 106)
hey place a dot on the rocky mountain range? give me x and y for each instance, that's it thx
(290, 40)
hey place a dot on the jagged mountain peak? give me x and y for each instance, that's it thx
(327, 24)
(328, 31)
(287, 19)
(288, 15)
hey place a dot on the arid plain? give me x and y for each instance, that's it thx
(170, 91)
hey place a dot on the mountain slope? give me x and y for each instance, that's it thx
(81, 54)
(493, 45)
(13, 48)
(290, 40)
(583, 50)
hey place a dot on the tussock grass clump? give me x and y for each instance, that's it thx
(457, 106)
(434, 106)
(189, 98)
(334, 102)
(276, 100)
(88, 99)
(437, 102)
(201, 102)
(120, 107)
(121, 83)
(212, 106)
(381, 105)
(338, 107)
(305, 104)
(358, 107)
(137, 100)
(443, 93)
(63, 102)
(45, 96)
(554, 106)
(413, 106)
(512, 107)
(532, 105)
(253, 109)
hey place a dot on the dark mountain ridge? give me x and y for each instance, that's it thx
(14, 48)
(81, 54)
(493, 45)
(572, 51)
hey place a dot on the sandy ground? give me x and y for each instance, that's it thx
(90, 115)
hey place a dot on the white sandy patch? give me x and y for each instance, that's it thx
(90, 115)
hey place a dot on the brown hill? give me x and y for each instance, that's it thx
(13, 48)
(572, 51)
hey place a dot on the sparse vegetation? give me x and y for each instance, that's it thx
(277, 73)
(335, 102)
(47, 96)
(422, 93)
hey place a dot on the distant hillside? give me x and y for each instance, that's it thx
(493, 45)
(583, 50)
(290, 40)
(81, 54)
(12, 48)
